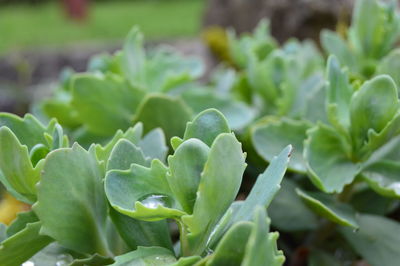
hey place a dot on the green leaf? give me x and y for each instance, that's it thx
(326, 206)
(339, 94)
(210, 203)
(266, 186)
(168, 113)
(376, 240)
(154, 145)
(141, 233)
(286, 208)
(383, 177)
(237, 113)
(23, 218)
(124, 154)
(271, 137)
(390, 65)
(18, 174)
(374, 28)
(333, 44)
(71, 201)
(261, 248)
(142, 193)
(28, 130)
(133, 134)
(232, 247)
(134, 58)
(149, 256)
(104, 104)
(186, 166)
(21, 246)
(93, 260)
(372, 107)
(51, 255)
(326, 153)
(206, 126)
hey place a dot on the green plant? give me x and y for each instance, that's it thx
(368, 49)
(136, 85)
(110, 204)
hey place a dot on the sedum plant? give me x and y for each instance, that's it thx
(116, 203)
(368, 47)
(136, 85)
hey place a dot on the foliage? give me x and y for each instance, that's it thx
(109, 204)
(120, 194)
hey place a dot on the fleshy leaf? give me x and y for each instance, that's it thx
(142, 193)
(211, 204)
(18, 174)
(71, 201)
(93, 260)
(390, 65)
(326, 206)
(232, 247)
(266, 186)
(104, 104)
(261, 248)
(285, 200)
(21, 246)
(206, 126)
(236, 113)
(383, 177)
(339, 93)
(271, 137)
(141, 233)
(326, 153)
(166, 112)
(335, 45)
(146, 256)
(133, 134)
(28, 130)
(372, 107)
(377, 240)
(134, 58)
(186, 166)
(154, 145)
(124, 154)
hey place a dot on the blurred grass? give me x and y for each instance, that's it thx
(25, 27)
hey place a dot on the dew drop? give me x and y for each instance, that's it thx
(153, 201)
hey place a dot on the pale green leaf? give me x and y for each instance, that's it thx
(377, 240)
(327, 206)
(71, 201)
(339, 93)
(287, 207)
(146, 256)
(154, 145)
(141, 233)
(18, 174)
(206, 126)
(186, 166)
(329, 165)
(18, 248)
(261, 248)
(211, 203)
(271, 137)
(372, 107)
(166, 112)
(104, 104)
(124, 154)
(142, 193)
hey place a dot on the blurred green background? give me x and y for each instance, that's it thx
(30, 24)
